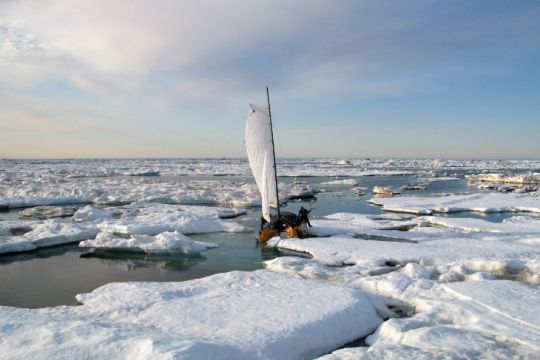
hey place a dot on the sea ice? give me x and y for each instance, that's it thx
(166, 242)
(46, 212)
(522, 179)
(249, 315)
(152, 219)
(483, 202)
(36, 234)
(90, 213)
(479, 319)
(383, 190)
(351, 182)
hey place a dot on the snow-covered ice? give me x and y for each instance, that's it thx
(351, 182)
(482, 202)
(232, 315)
(450, 281)
(134, 219)
(522, 179)
(383, 190)
(166, 242)
(46, 212)
(476, 319)
(450, 287)
(37, 234)
(152, 219)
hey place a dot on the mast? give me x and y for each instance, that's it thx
(273, 151)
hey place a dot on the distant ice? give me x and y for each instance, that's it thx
(384, 191)
(522, 179)
(351, 182)
(484, 202)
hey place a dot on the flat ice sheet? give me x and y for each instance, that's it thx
(484, 202)
(152, 219)
(42, 234)
(346, 250)
(232, 315)
(165, 242)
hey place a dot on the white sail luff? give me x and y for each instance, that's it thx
(258, 140)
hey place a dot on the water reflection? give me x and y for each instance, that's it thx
(40, 253)
(128, 261)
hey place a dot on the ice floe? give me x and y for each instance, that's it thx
(152, 219)
(479, 319)
(166, 242)
(37, 234)
(351, 182)
(506, 178)
(460, 308)
(46, 212)
(483, 202)
(122, 190)
(232, 315)
(384, 191)
(169, 221)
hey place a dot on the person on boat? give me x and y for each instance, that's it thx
(303, 216)
(287, 222)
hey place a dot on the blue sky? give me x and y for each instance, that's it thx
(418, 79)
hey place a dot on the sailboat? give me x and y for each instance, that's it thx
(259, 142)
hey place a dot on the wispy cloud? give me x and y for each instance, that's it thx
(172, 54)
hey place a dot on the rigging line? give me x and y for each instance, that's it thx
(273, 152)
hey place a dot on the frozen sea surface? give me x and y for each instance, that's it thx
(452, 267)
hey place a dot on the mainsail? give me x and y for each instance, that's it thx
(260, 151)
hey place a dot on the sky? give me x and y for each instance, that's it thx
(169, 78)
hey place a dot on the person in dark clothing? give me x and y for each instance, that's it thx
(303, 216)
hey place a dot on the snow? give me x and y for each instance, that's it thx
(152, 219)
(351, 182)
(45, 212)
(122, 190)
(90, 213)
(383, 190)
(232, 315)
(506, 178)
(42, 234)
(483, 202)
(451, 281)
(481, 319)
(166, 242)
(451, 287)
(169, 222)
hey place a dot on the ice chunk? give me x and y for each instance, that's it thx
(351, 182)
(230, 315)
(46, 212)
(483, 202)
(167, 242)
(90, 213)
(522, 179)
(44, 234)
(384, 191)
(152, 219)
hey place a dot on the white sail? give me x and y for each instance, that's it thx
(258, 139)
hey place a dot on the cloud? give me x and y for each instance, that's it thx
(207, 50)
(131, 60)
